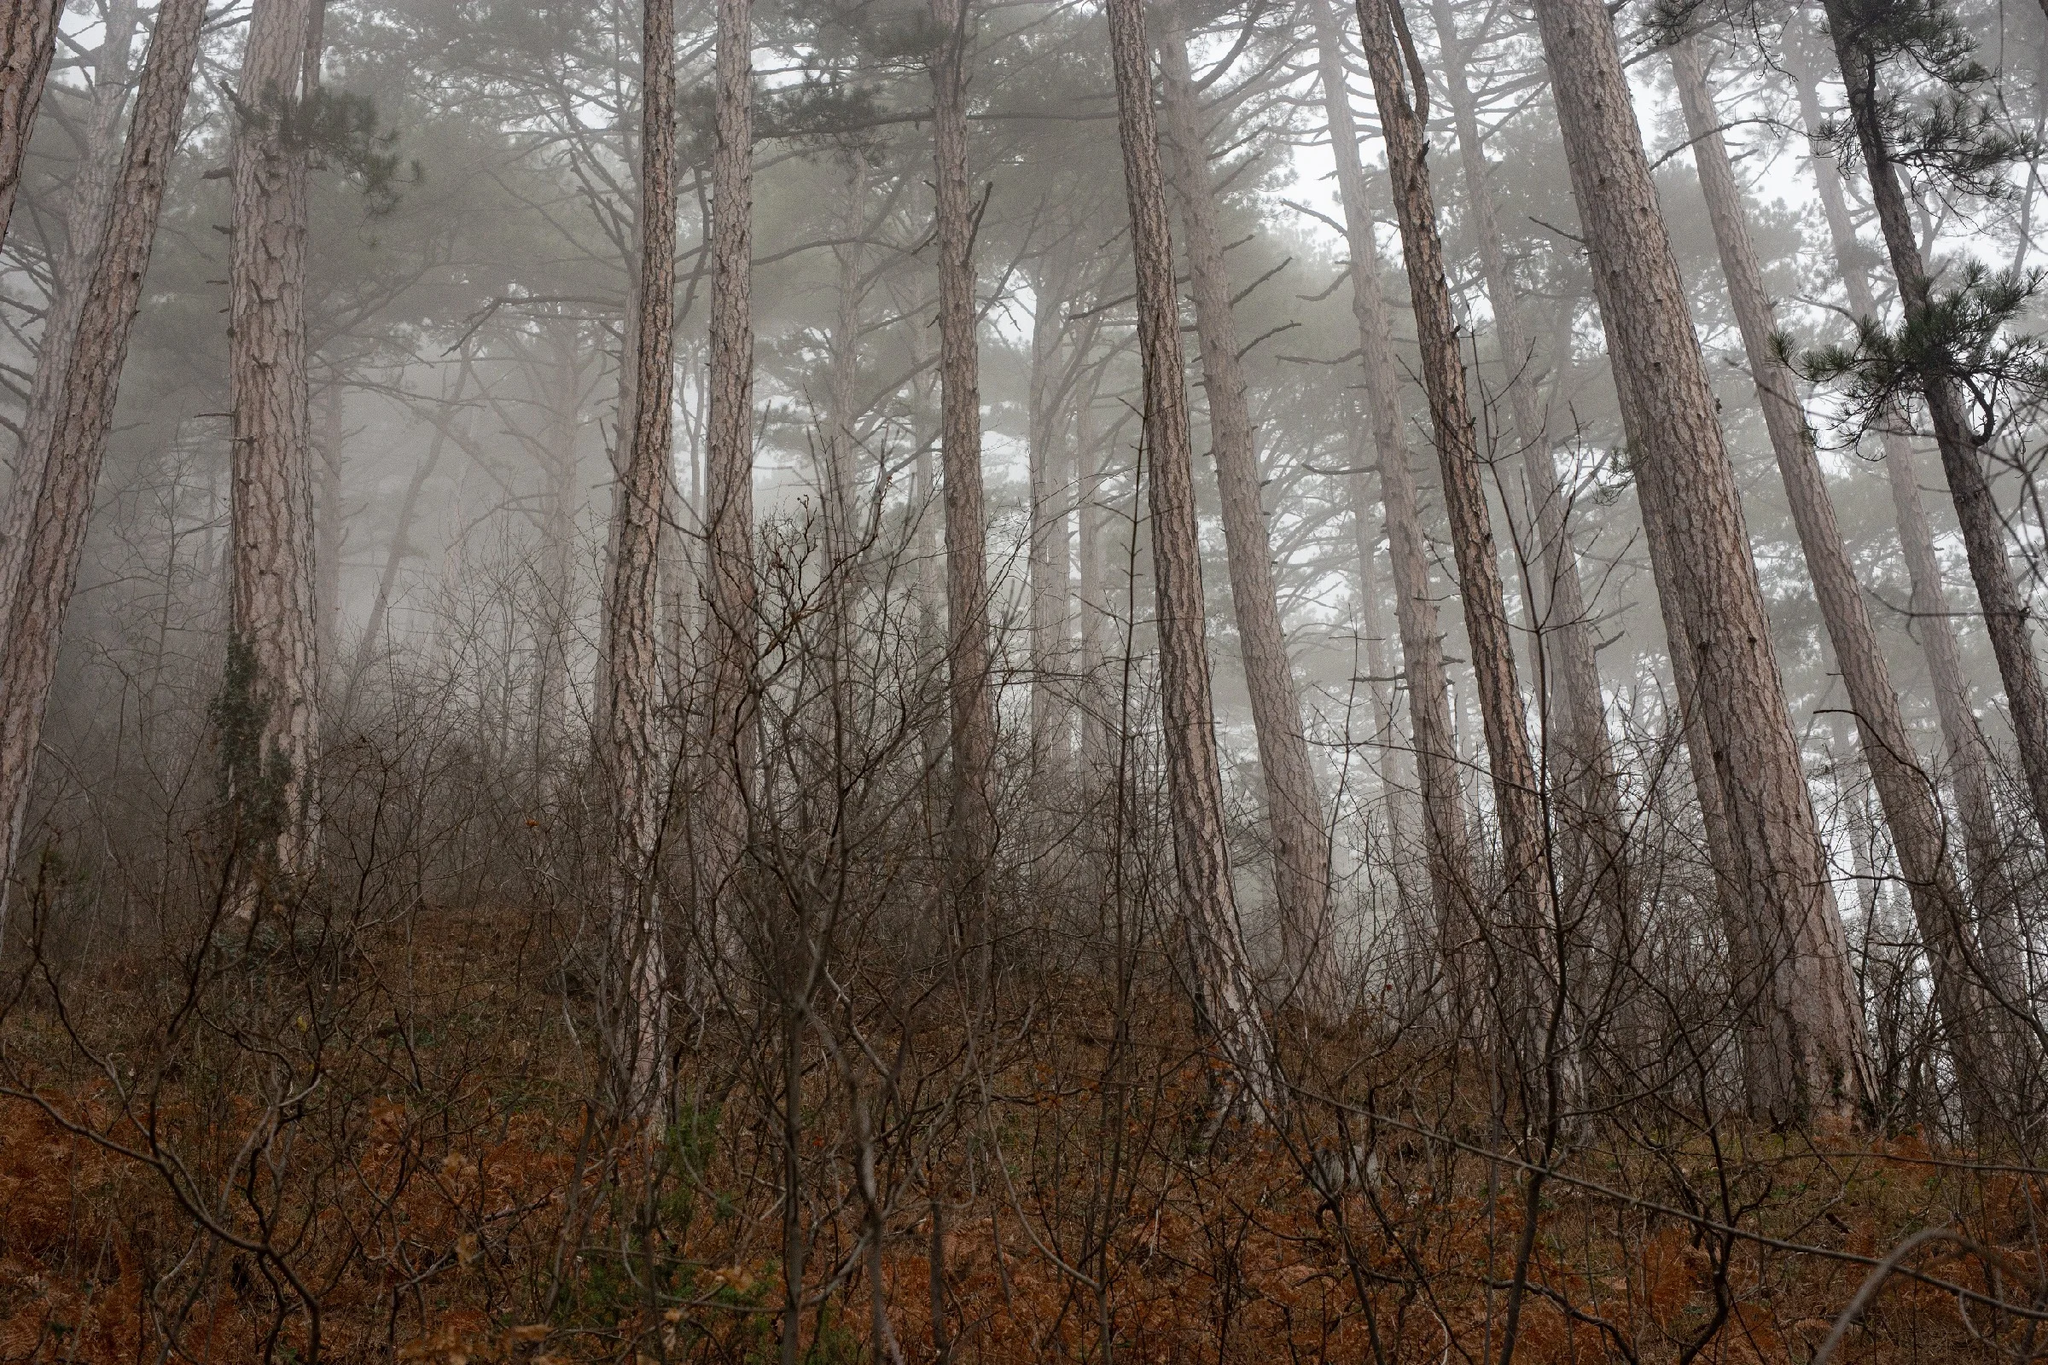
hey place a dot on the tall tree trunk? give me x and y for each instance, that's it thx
(2006, 613)
(85, 220)
(113, 294)
(270, 709)
(1225, 1003)
(1051, 496)
(1517, 795)
(1803, 985)
(1556, 595)
(1301, 845)
(1904, 791)
(1449, 857)
(1969, 756)
(632, 749)
(972, 821)
(28, 42)
(729, 483)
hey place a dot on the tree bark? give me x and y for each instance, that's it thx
(730, 737)
(1969, 755)
(631, 752)
(28, 42)
(113, 294)
(2006, 613)
(971, 820)
(1301, 845)
(1584, 761)
(274, 666)
(1904, 792)
(85, 220)
(1687, 485)
(1226, 1007)
(1447, 848)
(1517, 793)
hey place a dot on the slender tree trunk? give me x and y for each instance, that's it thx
(1969, 756)
(273, 675)
(1051, 499)
(1225, 1003)
(729, 483)
(1904, 792)
(1686, 481)
(1092, 608)
(85, 220)
(330, 527)
(28, 42)
(631, 753)
(1449, 857)
(1517, 794)
(1556, 595)
(113, 294)
(1301, 845)
(2006, 613)
(971, 821)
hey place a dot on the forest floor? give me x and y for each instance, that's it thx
(399, 1160)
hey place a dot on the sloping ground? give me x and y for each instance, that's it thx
(442, 1192)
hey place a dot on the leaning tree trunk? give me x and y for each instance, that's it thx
(2006, 613)
(49, 563)
(28, 41)
(1557, 597)
(1517, 795)
(85, 219)
(1301, 845)
(1227, 1008)
(971, 821)
(1803, 985)
(1904, 791)
(630, 741)
(268, 712)
(1448, 851)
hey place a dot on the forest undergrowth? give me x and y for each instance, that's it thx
(430, 1184)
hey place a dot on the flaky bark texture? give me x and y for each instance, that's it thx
(49, 567)
(631, 749)
(1301, 846)
(971, 820)
(2006, 613)
(28, 40)
(1517, 795)
(729, 740)
(1224, 999)
(1447, 848)
(85, 220)
(269, 712)
(1799, 983)
(1904, 791)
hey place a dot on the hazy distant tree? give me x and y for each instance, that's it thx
(1226, 1006)
(1301, 845)
(1805, 1046)
(49, 564)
